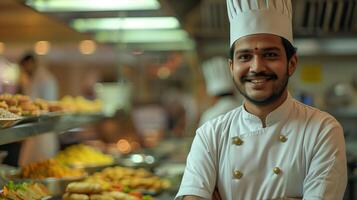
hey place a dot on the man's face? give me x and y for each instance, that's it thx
(260, 68)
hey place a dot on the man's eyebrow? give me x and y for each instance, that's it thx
(244, 51)
(271, 49)
(262, 50)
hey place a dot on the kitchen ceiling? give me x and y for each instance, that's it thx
(203, 24)
(312, 18)
(140, 24)
(20, 24)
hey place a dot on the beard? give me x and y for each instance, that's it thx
(276, 93)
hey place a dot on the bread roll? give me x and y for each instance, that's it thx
(69, 196)
(100, 197)
(84, 188)
(121, 196)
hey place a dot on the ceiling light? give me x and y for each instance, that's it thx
(91, 24)
(92, 5)
(42, 47)
(187, 45)
(142, 36)
(87, 47)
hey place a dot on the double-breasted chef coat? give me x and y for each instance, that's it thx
(299, 154)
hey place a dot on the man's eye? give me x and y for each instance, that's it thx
(244, 57)
(271, 55)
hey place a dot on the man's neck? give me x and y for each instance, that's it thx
(262, 111)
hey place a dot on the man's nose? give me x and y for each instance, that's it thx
(257, 64)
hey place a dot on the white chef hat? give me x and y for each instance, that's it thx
(249, 17)
(217, 76)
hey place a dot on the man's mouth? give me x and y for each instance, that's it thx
(258, 79)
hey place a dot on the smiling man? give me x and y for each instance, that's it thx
(271, 147)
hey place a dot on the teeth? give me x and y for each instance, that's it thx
(258, 81)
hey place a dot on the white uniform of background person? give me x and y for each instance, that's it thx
(299, 153)
(42, 85)
(220, 85)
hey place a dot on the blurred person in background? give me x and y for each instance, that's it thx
(37, 81)
(271, 147)
(8, 84)
(219, 84)
(181, 109)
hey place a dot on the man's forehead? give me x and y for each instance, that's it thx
(259, 41)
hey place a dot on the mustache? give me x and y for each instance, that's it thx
(251, 76)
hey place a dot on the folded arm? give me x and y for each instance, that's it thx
(326, 177)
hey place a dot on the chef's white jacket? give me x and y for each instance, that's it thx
(299, 154)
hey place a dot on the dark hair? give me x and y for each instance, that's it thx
(27, 57)
(290, 50)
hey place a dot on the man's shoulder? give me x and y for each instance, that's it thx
(222, 121)
(312, 113)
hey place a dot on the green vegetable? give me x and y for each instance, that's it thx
(126, 189)
(11, 185)
(20, 186)
(146, 197)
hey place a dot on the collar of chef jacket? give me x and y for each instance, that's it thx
(281, 113)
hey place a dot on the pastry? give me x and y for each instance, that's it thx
(84, 188)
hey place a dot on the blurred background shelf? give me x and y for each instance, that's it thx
(56, 124)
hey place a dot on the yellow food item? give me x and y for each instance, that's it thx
(81, 105)
(82, 155)
(42, 105)
(3, 105)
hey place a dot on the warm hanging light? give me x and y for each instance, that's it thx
(42, 47)
(2, 48)
(163, 72)
(87, 47)
(124, 146)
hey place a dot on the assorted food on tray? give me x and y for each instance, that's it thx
(23, 191)
(119, 183)
(133, 179)
(61, 176)
(37, 180)
(22, 105)
(7, 118)
(5, 114)
(19, 108)
(49, 169)
(94, 191)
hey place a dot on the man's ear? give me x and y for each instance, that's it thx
(292, 64)
(230, 64)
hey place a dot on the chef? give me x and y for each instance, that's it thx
(220, 86)
(271, 147)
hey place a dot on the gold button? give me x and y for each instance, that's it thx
(237, 174)
(237, 141)
(277, 170)
(283, 138)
